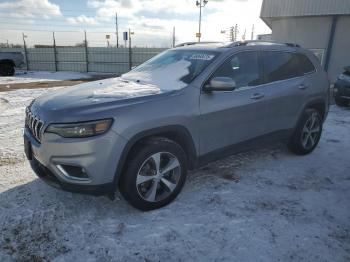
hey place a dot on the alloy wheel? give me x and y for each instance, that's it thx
(158, 176)
(311, 131)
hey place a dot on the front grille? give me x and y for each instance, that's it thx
(34, 124)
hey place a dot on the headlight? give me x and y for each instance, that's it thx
(84, 129)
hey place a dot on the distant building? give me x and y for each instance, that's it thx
(322, 26)
(264, 37)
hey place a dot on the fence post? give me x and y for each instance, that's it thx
(54, 50)
(86, 53)
(25, 51)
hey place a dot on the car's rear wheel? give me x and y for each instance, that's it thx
(341, 101)
(7, 69)
(154, 175)
(307, 133)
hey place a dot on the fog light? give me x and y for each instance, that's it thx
(73, 172)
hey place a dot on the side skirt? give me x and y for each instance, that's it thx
(259, 142)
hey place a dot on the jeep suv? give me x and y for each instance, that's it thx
(183, 108)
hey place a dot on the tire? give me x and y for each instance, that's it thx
(341, 102)
(7, 69)
(307, 133)
(147, 187)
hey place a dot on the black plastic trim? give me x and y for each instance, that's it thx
(278, 136)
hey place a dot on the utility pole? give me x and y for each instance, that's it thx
(232, 33)
(130, 55)
(200, 4)
(25, 50)
(174, 36)
(107, 39)
(243, 36)
(116, 28)
(86, 52)
(236, 32)
(54, 50)
(252, 36)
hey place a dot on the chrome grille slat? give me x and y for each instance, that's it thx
(40, 127)
(34, 124)
(36, 128)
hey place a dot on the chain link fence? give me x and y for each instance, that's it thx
(85, 51)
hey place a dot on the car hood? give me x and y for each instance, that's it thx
(95, 96)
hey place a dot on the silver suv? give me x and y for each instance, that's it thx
(180, 110)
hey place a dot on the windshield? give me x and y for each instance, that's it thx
(172, 69)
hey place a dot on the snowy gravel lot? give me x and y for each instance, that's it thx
(266, 205)
(42, 76)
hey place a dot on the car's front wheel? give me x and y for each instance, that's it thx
(307, 134)
(7, 69)
(154, 174)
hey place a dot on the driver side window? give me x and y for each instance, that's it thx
(243, 68)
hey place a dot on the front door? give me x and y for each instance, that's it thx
(231, 117)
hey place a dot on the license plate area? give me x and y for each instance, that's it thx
(28, 149)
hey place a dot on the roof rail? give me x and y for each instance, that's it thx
(197, 43)
(259, 42)
(292, 44)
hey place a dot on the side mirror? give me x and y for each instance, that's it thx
(220, 84)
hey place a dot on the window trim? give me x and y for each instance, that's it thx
(265, 82)
(226, 60)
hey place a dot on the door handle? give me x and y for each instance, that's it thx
(257, 96)
(303, 86)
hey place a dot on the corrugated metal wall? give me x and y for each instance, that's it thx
(283, 8)
(97, 59)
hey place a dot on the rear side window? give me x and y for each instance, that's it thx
(304, 64)
(284, 65)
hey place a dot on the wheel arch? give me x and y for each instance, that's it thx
(319, 105)
(176, 133)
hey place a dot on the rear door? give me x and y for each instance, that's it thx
(287, 77)
(228, 118)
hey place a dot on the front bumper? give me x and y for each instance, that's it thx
(98, 156)
(51, 179)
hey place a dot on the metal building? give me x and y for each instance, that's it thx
(320, 25)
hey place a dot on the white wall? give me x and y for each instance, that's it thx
(340, 56)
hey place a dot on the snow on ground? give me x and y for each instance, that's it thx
(266, 205)
(41, 76)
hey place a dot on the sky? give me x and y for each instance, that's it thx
(152, 21)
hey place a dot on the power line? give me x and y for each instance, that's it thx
(116, 28)
(56, 24)
(34, 30)
(83, 26)
(60, 10)
(42, 20)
